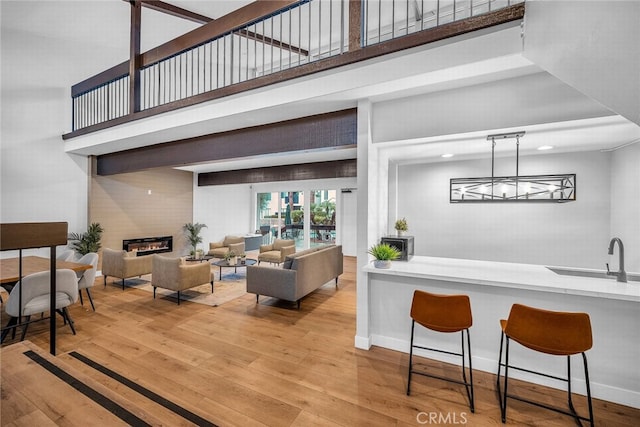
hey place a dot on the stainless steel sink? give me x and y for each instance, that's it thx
(596, 274)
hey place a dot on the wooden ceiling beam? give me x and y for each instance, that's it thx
(172, 10)
(273, 42)
(215, 28)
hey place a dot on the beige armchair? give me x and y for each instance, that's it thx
(174, 274)
(122, 264)
(230, 243)
(277, 251)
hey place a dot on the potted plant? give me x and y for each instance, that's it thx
(231, 258)
(383, 254)
(89, 241)
(401, 226)
(192, 232)
(243, 258)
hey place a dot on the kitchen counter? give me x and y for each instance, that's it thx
(384, 303)
(512, 275)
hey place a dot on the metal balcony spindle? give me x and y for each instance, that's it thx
(319, 29)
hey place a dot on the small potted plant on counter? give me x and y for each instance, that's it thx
(383, 254)
(401, 226)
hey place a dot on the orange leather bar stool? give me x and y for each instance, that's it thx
(551, 332)
(443, 313)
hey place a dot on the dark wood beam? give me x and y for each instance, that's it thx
(134, 57)
(323, 131)
(319, 170)
(172, 10)
(355, 25)
(273, 42)
(215, 28)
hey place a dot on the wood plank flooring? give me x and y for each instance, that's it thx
(243, 364)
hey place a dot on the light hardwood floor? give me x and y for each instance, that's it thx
(243, 364)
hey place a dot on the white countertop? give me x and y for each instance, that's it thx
(509, 275)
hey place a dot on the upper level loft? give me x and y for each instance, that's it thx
(267, 42)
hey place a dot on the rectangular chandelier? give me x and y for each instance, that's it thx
(532, 188)
(529, 188)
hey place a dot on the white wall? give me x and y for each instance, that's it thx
(225, 209)
(40, 182)
(625, 204)
(604, 64)
(571, 234)
(519, 101)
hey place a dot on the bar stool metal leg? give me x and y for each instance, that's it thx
(530, 327)
(467, 383)
(413, 325)
(443, 314)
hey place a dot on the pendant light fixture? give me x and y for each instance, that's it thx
(525, 188)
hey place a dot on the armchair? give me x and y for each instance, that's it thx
(277, 251)
(122, 265)
(234, 244)
(175, 275)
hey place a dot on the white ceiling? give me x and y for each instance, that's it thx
(83, 38)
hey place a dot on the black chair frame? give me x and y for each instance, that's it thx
(468, 384)
(502, 396)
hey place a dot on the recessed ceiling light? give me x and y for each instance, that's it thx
(446, 156)
(545, 147)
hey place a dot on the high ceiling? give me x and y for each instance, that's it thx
(82, 38)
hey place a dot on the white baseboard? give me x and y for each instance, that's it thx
(598, 391)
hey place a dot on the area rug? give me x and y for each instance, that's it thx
(232, 286)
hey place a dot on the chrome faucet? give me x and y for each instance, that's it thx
(620, 274)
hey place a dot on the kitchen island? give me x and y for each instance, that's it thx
(384, 302)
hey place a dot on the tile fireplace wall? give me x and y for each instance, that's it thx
(142, 204)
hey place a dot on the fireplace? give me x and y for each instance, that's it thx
(148, 245)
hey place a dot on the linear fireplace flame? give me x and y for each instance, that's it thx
(148, 245)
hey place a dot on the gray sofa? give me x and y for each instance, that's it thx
(301, 274)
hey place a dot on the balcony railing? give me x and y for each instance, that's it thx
(302, 33)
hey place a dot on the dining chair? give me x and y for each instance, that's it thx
(66, 255)
(86, 278)
(36, 298)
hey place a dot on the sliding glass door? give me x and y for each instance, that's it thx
(322, 217)
(292, 212)
(285, 214)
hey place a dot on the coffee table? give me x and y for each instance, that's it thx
(204, 258)
(225, 264)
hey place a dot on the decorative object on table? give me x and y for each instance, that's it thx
(192, 232)
(199, 253)
(231, 258)
(383, 254)
(517, 188)
(243, 258)
(87, 242)
(401, 226)
(404, 245)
